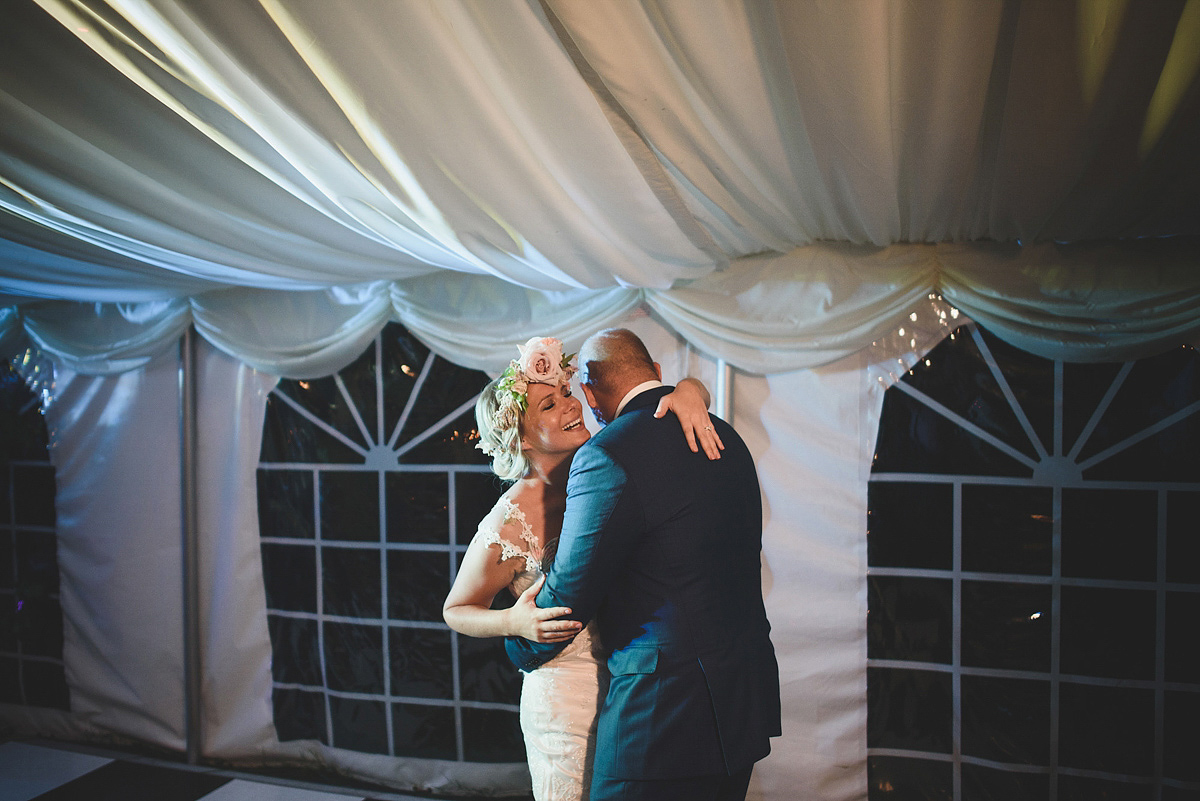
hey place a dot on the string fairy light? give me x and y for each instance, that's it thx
(37, 371)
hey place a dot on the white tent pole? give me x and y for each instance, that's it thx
(723, 403)
(191, 583)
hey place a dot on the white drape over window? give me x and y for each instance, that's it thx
(771, 314)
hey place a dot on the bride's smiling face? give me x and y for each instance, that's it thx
(553, 420)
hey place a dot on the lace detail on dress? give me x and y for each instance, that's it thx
(533, 552)
(559, 702)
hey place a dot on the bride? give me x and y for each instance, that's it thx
(531, 426)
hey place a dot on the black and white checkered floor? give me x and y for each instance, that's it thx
(46, 773)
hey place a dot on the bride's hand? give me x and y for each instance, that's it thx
(530, 621)
(689, 402)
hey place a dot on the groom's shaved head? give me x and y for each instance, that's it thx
(614, 358)
(613, 362)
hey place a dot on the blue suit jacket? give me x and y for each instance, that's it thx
(662, 547)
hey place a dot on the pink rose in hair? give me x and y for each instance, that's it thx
(541, 360)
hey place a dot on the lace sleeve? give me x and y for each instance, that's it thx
(508, 550)
(508, 516)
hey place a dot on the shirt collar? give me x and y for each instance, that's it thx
(631, 394)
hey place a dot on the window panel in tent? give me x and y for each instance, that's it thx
(1032, 579)
(369, 490)
(31, 624)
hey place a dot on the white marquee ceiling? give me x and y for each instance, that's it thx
(162, 149)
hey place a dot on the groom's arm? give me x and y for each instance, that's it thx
(597, 528)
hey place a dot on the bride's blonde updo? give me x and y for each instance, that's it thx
(499, 436)
(502, 404)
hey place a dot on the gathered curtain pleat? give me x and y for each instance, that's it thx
(764, 314)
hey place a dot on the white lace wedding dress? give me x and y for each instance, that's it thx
(559, 700)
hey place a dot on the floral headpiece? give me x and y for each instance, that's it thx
(542, 362)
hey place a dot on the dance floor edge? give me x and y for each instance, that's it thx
(34, 772)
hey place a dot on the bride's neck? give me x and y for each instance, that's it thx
(549, 471)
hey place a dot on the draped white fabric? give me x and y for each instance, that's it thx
(811, 306)
(119, 554)
(514, 154)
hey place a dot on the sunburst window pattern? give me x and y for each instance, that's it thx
(1034, 579)
(370, 489)
(31, 629)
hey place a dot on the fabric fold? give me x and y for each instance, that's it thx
(1083, 303)
(764, 314)
(474, 321)
(771, 314)
(106, 338)
(293, 334)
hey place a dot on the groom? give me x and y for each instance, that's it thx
(661, 546)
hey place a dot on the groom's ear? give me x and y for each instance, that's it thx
(587, 393)
(658, 370)
(593, 404)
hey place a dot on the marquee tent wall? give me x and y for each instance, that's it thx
(778, 187)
